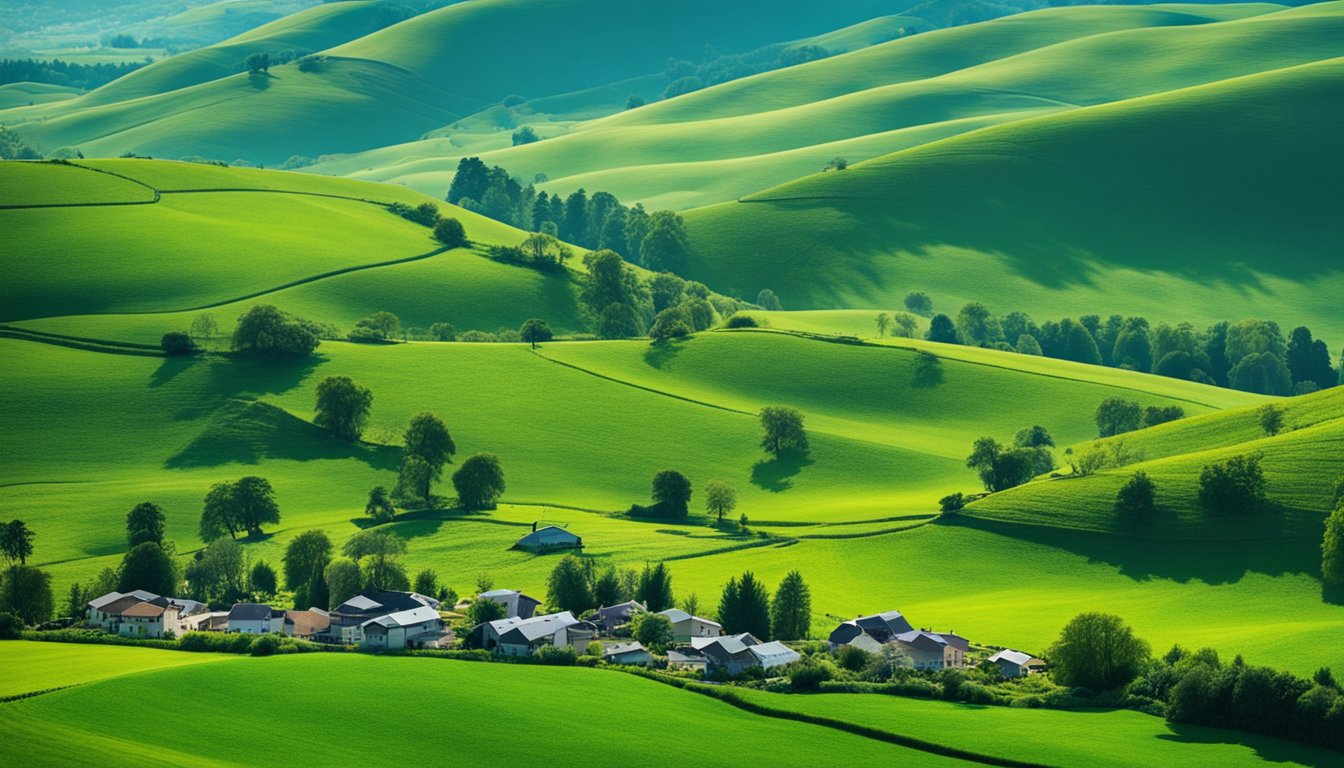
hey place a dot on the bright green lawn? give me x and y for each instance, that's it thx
(1095, 738)
(34, 666)
(538, 704)
(30, 183)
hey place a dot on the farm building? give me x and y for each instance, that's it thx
(306, 624)
(108, 612)
(685, 626)
(522, 637)
(626, 653)
(686, 658)
(148, 620)
(516, 604)
(1016, 663)
(347, 619)
(612, 616)
(932, 650)
(415, 628)
(735, 654)
(255, 619)
(549, 538)
(869, 632)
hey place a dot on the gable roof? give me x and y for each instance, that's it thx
(746, 639)
(143, 595)
(886, 623)
(122, 603)
(97, 603)
(307, 622)
(536, 627)
(676, 616)
(955, 640)
(249, 612)
(404, 618)
(622, 648)
(188, 607)
(144, 611)
(372, 601)
(1016, 657)
(684, 656)
(922, 640)
(774, 653)
(548, 535)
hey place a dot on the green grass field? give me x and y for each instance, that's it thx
(284, 691)
(31, 666)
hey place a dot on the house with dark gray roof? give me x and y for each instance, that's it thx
(633, 653)
(931, 650)
(869, 632)
(255, 619)
(612, 616)
(522, 637)
(734, 654)
(348, 618)
(516, 604)
(548, 538)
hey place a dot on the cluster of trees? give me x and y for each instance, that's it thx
(378, 328)
(15, 147)
(1233, 486)
(68, 73)
(1001, 467)
(265, 329)
(1250, 355)
(746, 606)
(241, 506)
(447, 229)
(539, 251)
(25, 590)
(1116, 415)
(221, 575)
(318, 577)
(599, 221)
(687, 76)
(577, 585)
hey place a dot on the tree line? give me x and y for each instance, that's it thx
(67, 73)
(1250, 355)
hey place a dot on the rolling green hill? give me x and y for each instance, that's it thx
(1127, 207)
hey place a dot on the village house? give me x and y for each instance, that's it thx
(685, 626)
(516, 604)
(147, 619)
(612, 616)
(108, 611)
(1016, 663)
(306, 625)
(347, 620)
(255, 619)
(213, 621)
(626, 653)
(415, 628)
(932, 650)
(869, 632)
(686, 658)
(734, 654)
(549, 538)
(522, 637)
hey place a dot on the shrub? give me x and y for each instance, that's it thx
(742, 321)
(176, 343)
(558, 656)
(952, 503)
(1236, 485)
(11, 626)
(451, 233)
(806, 676)
(266, 645)
(852, 657)
(442, 332)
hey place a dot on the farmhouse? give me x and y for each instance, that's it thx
(347, 620)
(931, 650)
(869, 632)
(255, 619)
(1016, 663)
(685, 626)
(306, 624)
(108, 612)
(686, 658)
(516, 604)
(626, 653)
(734, 654)
(522, 637)
(612, 616)
(148, 620)
(548, 538)
(415, 628)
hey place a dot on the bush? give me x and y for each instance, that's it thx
(806, 676)
(1236, 485)
(442, 332)
(976, 693)
(742, 321)
(451, 233)
(852, 658)
(11, 626)
(176, 343)
(266, 645)
(558, 656)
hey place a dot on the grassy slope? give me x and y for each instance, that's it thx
(400, 82)
(282, 692)
(1127, 206)
(1113, 739)
(724, 142)
(1301, 465)
(233, 238)
(24, 94)
(34, 666)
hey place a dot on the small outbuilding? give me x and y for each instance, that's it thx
(549, 538)
(1016, 663)
(626, 653)
(516, 604)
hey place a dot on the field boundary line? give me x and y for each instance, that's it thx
(641, 387)
(154, 199)
(31, 694)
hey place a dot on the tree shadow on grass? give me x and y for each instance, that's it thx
(776, 474)
(1181, 560)
(659, 353)
(928, 371)
(248, 431)
(1268, 748)
(170, 368)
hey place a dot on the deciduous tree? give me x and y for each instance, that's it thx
(782, 429)
(342, 407)
(479, 482)
(1097, 651)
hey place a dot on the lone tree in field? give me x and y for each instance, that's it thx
(535, 331)
(720, 499)
(238, 507)
(671, 493)
(1136, 500)
(479, 481)
(379, 506)
(952, 503)
(16, 542)
(25, 592)
(883, 323)
(782, 430)
(919, 303)
(655, 588)
(791, 610)
(428, 440)
(264, 329)
(567, 587)
(145, 523)
(258, 62)
(451, 233)
(745, 607)
(176, 344)
(342, 407)
(306, 558)
(1116, 415)
(1271, 419)
(414, 480)
(1097, 651)
(1236, 485)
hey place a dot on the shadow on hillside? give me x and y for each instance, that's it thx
(260, 80)
(658, 354)
(1267, 748)
(170, 368)
(928, 371)
(776, 475)
(248, 431)
(1332, 593)
(239, 377)
(1143, 559)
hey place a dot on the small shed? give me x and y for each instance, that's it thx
(548, 538)
(634, 654)
(1016, 663)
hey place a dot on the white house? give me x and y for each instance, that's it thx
(1016, 663)
(522, 637)
(404, 629)
(626, 653)
(105, 612)
(516, 604)
(147, 619)
(255, 619)
(773, 654)
(347, 620)
(685, 626)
